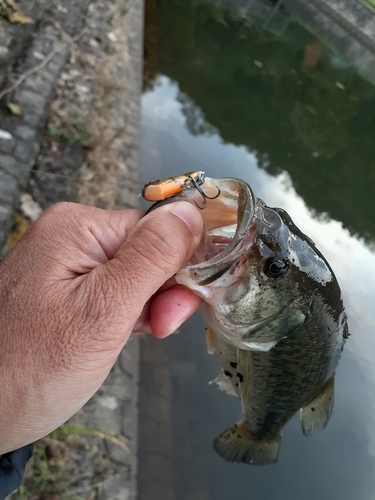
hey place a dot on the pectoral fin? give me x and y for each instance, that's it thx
(315, 415)
(224, 384)
(210, 340)
(244, 376)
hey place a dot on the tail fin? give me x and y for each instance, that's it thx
(235, 445)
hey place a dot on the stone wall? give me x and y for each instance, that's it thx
(75, 137)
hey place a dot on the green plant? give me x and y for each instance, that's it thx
(369, 3)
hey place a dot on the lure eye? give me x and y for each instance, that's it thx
(275, 267)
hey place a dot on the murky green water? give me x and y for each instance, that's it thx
(290, 116)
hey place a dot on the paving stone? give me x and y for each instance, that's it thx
(28, 97)
(5, 216)
(26, 151)
(24, 132)
(7, 145)
(33, 116)
(8, 166)
(39, 86)
(13, 36)
(8, 191)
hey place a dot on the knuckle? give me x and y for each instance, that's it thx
(56, 216)
(63, 208)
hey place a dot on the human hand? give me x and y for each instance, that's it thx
(72, 291)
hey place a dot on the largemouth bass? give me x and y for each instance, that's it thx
(275, 317)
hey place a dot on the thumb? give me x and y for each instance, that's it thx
(157, 247)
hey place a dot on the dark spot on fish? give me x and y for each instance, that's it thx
(236, 384)
(312, 409)
(240, 376)
(239, 436)
(228, 374)
(232, 270)
(233, 364)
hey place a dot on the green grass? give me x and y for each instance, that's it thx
(76, 133)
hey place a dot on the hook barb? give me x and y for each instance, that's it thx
(203, 194)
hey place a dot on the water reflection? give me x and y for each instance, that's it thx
(298, 127)
(349, 441)
(292, 101)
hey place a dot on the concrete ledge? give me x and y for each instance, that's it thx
(338, 27)
(34, 94)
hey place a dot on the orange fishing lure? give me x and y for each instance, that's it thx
(165, 188)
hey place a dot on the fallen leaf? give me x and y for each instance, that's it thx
(18, 17)
(15, 109)
(20, 226)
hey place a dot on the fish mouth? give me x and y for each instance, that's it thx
(229, 229)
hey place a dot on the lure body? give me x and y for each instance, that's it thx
(161, 189)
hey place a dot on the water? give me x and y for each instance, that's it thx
(289, 115)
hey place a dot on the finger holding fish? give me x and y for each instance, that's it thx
(166, 311)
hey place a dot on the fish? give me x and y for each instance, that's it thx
(275, 317)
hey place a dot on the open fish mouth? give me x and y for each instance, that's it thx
(228, 220)
(230, 231)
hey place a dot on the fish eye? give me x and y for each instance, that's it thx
(275, 267)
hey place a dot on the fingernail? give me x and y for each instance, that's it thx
(189, 215)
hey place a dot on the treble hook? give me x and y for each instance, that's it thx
(203, 194)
